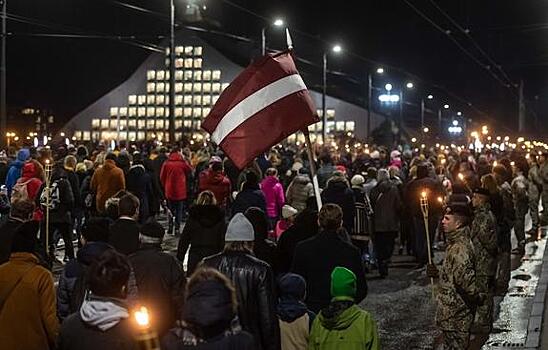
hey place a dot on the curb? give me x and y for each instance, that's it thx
(536, 321)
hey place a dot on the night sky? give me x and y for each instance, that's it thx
(66, 75)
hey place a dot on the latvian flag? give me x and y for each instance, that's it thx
(266, 103)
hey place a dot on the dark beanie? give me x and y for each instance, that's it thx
(25, 239)
(152, 228)
(292, 285)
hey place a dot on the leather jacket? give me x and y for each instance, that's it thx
(253, 280)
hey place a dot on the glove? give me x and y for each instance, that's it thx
(432, 271)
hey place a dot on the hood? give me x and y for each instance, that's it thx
(339, 315)
(137, 168)
(29, 170)
(175, 157)
(206, 215)
(23, 154)
(270, 181)
(209, 307)
(103, 313)
(292, 289)
(213, 177)
(384, 186)
(91, 251)
(302, 179)
(109, 164)
(337, 182)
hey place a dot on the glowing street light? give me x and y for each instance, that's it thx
(279, 22)
(455, 122)
(430, 97)
(380, 70)
(459, 113)
(337, 48)
(388, 87)
(446, 106)
(409, 85)
(425, 130)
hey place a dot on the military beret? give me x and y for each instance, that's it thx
(459, 210)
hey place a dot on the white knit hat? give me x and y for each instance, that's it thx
(357, 180)
(239, 229)
(288, 211)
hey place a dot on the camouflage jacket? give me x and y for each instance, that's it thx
(457, 290)
(520, 187)
(507, 204)
(543, 175)
(535, 181)
(484, 238)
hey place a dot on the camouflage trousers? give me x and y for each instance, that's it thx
(453, 340)
(534, 198)
(519, 224)
(484, 312)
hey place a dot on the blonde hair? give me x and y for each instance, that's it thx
(206, 198)
(70, 162)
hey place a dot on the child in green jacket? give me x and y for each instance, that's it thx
(343, 324)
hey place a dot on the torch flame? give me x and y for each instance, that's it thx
(440, 199)
(47, 161)
(461, 177)
(141, 316)
(423, 194)
(495, 163)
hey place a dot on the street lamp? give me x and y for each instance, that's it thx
(459, 113)
(388, 87)
(409, 85)
(430, 97)
(446, 106)
(336, 49)
(278, 22)
(380, 70)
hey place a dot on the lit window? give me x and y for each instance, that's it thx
(179, 50)
(178, 112)
(188, 63)
(188, 75)
(160, 87)
(86, 136)
(216, 87)
(198, 124)
(132, 135)
(179, 63)
(197, 100)
(150, 111)
(188, 112)
(160, 75)
(350, 126)
(166, 112)
(197, 87)
(188, 50)
(216, 75)
(95, 123)
(132, 99)
(339, 126)
(206, 111)
(330, 126)
(151, 87)
(141, 124)
(188, 123)
(78, 135)
(197, 63)
(122, 111)
(206, 100)
(207, 87)
(167, 75)
(150, 124)
(179, 75)
(132, 123)
(123, 124)
(159, 124)
(160, 111)
(198, 51)
(132, 111)
(178, 87)
(178, 100)
(161, 99)
(188, 87)
(104, 124)
(151, 99)
(113, 111)
(224, 86)
(151, 75)
(178, 124)
(188, 100)
(197, 75)
(142, 99)
(197, 112)
(141, 112)
(330, 114)
(214, 99)
(206, 75)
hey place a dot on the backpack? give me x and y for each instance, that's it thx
(20, 191)
(54, 196)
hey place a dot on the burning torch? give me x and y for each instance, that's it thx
(425, 209)
(147, 338)
(48, 195)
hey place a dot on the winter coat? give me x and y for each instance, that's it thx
(247, 198)
(60, 213)
(160, 282)
(74, 181)
(324, 173)
(341, 326)
(8, 228)
(338, 192)
(69, 295)
(274, 196)
(106, 182)
(334, 251)
(28, 320)
(386, 203)
(15, 169)
(83, 330)
(255, 292)
(139, 183)
(204, 232)
(369, 185)
(85, 188)
(30, 175)
(157, 194)
(304, 227)
(299, 190)
(124, 235)
(173, 177)
(433, 188)
(217, 183)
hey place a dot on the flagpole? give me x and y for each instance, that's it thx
(312, 165)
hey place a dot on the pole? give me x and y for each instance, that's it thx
(369, 97)
(3, 107)
(172, 75)
(439, 121)
(400, 122)
(521, 109)
(312, 165)
(263, 41)
(424, 209)
(324, 91)
(47, 189)
(422, 113)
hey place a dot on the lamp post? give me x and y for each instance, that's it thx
(369, 106)
(3, 109)
(278, 22)
(336, 49)
(171, 118)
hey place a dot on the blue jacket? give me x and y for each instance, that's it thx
(14, 173)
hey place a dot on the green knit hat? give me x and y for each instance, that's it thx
(343, 284)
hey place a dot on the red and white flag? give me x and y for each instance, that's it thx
(267, 102)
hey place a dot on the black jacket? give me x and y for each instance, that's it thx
(386, 203)
(139, 183)
(160, 282)
(247, 198)
(305, 227)
(74, 181)
(433, 189)
(255, 291)
(204, 232)
(62, 206)
(124, 236)
(338, 192)
(157, 195)
(316, 258)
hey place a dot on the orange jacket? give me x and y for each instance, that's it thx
(106, 182)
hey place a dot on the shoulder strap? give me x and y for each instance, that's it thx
(5, 296)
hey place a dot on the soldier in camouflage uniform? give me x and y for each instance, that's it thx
(504, 230)
(543, 174)
(484, 238)
(456, 293)
(520, 187)
(535, 189)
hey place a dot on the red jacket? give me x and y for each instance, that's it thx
(217, 183)
(173, 177)
(30, 174)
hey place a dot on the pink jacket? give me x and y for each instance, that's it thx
(274, 194)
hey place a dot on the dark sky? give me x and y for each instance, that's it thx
(66, 75)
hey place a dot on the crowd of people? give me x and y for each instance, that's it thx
(258, 266)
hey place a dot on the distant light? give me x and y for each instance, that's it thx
(459, 113)
(454, 129)
(35, 142)
(279, 22)
(45, 140)
(62, 134)
(389, 98)
(498, 138)
(446, 106)
(337, 48)
(67, 141)
(388, 87)
(455, 122)
(380, 70)
(425, 129)
(506, 138)
(409, 85)
(414, 139)
(112, 144)
(430, 97)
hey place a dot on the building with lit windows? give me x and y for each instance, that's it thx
(138, 109)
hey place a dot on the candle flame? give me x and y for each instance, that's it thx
(440, 199)
(47, 161)
(461, 177)
(495, 163)
(141, 316)
(423, 194)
